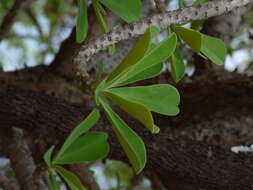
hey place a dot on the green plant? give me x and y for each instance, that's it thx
(78, 147)
(144, 61)
(129, 11)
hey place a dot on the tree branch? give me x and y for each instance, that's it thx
(196, 162)
(225, 28)
(10, 17)
(163, 20)
(5, 183)
(22, 161)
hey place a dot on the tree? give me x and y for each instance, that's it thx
(40, 105)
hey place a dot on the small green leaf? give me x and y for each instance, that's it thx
(70, 178)
(191, 37)
(82, 21)
(47, 156)
(155, 56)
(129, 140)
(111, 49)
(161, 98)
(84, 126)
(214, 49)
(177, 66)
(99, 16)
(180, 3)
(138, 111)
(136, 53)
(53, 182)
(129, 11)
(90, 147)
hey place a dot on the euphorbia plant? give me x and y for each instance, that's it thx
(145, 60)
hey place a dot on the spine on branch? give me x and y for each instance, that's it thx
(162, 20)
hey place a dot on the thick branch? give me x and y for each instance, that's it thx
(10, 17)
(169, 152)
(162, 20)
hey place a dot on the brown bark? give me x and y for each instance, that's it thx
(172, 151)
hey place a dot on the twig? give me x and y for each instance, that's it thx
(22, 161)
(162, 20)
(34, 19)
(10, 17)
(85, 175)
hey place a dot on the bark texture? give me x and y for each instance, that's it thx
(162, 20)
(208, 163)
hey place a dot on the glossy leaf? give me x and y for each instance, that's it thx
(214, 49)
(90, 147)
(129, 11)
(47, 156)
(53, 182)
(84, 126)
(137, 110)
(129, 140)
(157, 55)
(191, 37)
(160, 98)
(136, 53)
(70, 178)
(82, 21)
(177, 66)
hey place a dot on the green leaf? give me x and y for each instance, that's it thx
(54, 184)
(155, 56)
(99, 16)
(180, 3)
(198, 2)
(191, 37)
(70, 178)
(160, 98)
(136, 53)
(90, 147)
(129, 11)
(84, 126)
(138, 111)
(177, 66)
(214, 49)
(82, 21)
(146, 74)
(47, 156)
(129, 140)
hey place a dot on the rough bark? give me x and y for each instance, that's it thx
(197, 162)
(5, 183)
